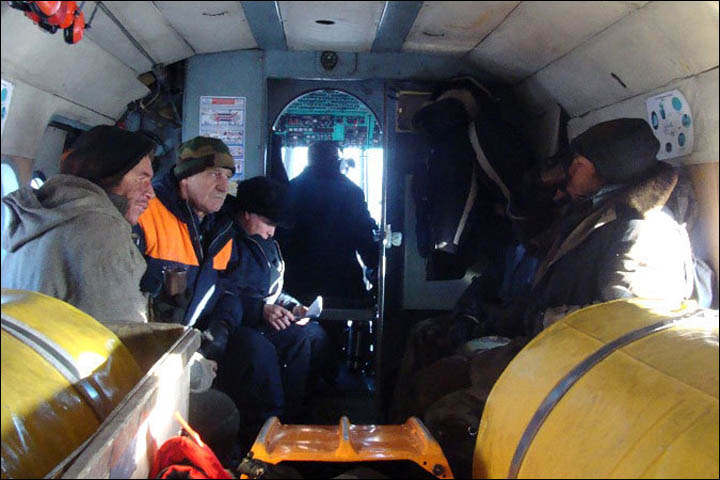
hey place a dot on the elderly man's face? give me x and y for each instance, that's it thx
(206, 191)
(136, 187)
(583, 180)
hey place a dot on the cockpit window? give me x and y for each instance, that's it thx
(341, 117)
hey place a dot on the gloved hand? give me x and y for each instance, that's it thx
(170, 309)
(202, 372)
(215, 340)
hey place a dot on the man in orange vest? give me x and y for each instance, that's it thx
(186, 245)
(183, 241)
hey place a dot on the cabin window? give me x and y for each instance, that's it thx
(38, 179)
(10, 183)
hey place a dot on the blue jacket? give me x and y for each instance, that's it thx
(170, 234)
(253, 278)
(255, 274)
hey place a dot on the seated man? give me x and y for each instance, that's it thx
(179, 230)
(71, 239)
(265, 359)
(615, 240)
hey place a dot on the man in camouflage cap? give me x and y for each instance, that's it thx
(186, 244)
(180, 232)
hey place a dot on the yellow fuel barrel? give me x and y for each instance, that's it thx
(623, 389)
(62, 374)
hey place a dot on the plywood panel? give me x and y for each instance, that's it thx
(701, 92)
(455, 27)
(655, 45)
(537, 33)
(152, 30)
(107, 35)
(353, 31)
(83, 73)
(29, 114)
(210, 26)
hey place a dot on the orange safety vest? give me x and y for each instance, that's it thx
(168, 238)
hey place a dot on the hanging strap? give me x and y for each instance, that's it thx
(485, 164)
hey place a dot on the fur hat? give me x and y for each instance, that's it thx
(104, 154)
(200, 153)
(263, 196)
(621, 150)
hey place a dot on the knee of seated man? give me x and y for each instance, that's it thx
(315, 332)
(246, 341)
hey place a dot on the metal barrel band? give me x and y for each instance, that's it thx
(56, 356)
(566, 383)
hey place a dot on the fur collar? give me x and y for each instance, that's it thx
(650, 193)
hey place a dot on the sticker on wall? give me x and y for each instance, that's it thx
(7, 90)
(224, 118)
(672, 122)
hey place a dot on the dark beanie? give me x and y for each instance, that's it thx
(263, 196)
(104, 154)
(621, 150)
(324, 154)
(200, 153)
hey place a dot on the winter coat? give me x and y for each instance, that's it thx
(170, 234)
(70, 241)
(255, 274)
(627, 245)
(253, 279)
(462, 190)
(331, 223)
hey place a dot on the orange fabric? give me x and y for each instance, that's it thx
(221, 260)
(166, 237)
(184, 456)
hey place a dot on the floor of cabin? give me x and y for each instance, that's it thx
(353, 396)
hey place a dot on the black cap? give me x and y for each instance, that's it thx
(263, 196)
(104, 154)
(621, 150)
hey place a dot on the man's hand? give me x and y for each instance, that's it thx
(300, 311)
(278, 317)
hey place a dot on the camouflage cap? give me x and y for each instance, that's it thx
(200, 153)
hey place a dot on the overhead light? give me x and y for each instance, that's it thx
(328, 60)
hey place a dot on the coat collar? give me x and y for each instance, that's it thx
(634, 200)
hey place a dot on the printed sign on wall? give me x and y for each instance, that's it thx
(672, 122)
(224, 118)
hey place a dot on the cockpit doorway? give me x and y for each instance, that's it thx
(349, 114)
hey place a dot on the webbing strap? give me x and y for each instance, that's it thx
(485, 164)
